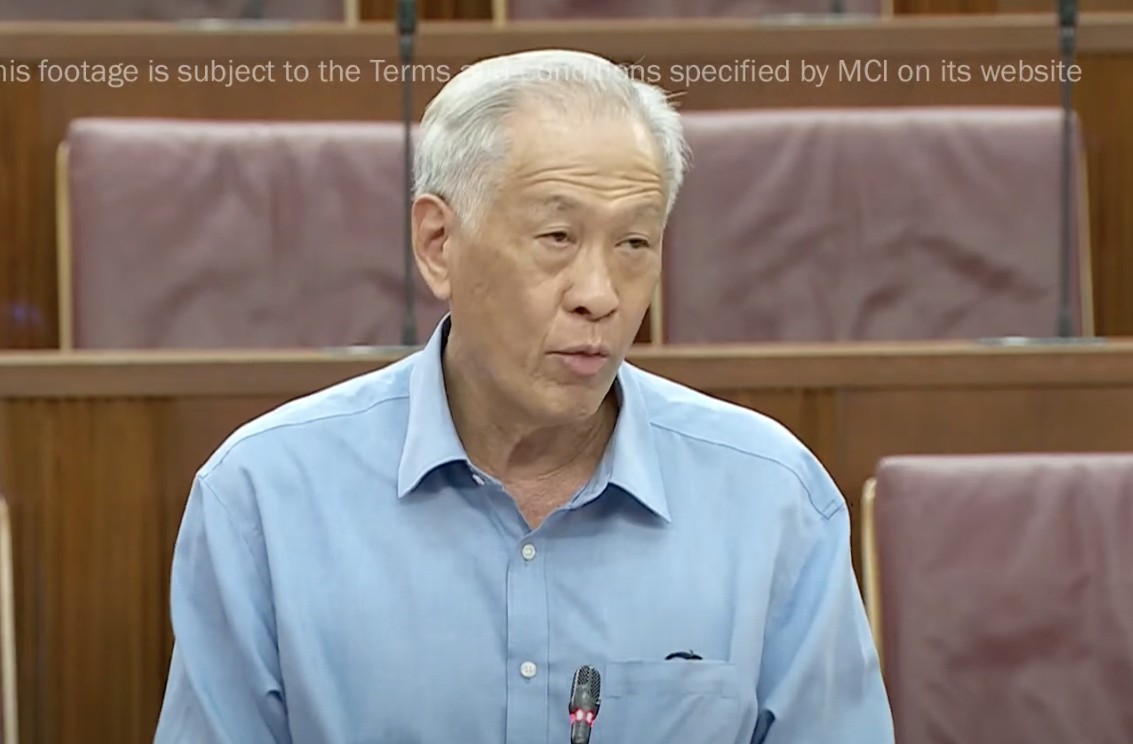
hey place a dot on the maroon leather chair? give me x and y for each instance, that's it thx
(528, 10)
(203, 234)
(872, 224)
(1000, 592)
(171, 10)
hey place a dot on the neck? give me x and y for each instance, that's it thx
(511, 447)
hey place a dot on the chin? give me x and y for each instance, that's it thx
(570, 405)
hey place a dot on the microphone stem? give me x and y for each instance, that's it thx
(409, 330)
(1066, 272)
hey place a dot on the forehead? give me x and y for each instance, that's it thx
(553, 143)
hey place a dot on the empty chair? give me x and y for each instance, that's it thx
(195, 234)
(171, 10)
(872, 224)
(527, 10)
(1000, 592)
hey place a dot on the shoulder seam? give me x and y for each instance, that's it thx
(826, 514)
(208, 469)
(239, 529)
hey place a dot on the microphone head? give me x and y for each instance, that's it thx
(586, 691)
(406, 17)
(1068, 13)
(585, 694)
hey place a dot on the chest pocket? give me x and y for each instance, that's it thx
(684, 702)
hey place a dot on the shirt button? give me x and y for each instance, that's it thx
(479, 481)
(528, 669)
(528, 552)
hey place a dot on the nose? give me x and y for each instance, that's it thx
(592, 293)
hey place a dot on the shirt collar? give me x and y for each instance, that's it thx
(634, 465)
(431, 440)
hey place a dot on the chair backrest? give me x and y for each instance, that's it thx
(873, 224)
(1005, 593)
(196, 234)
(527, 10)
(171, 10)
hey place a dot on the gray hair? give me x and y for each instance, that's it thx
(462, 138)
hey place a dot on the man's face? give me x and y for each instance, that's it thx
(548, 293)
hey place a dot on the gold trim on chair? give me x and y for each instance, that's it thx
(8, 629)
(499, 12)
(352, 12)
(870, 564)
(63, 248)
(1085, 251)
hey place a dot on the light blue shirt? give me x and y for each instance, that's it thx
(343, 575)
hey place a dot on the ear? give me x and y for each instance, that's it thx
(433, 226)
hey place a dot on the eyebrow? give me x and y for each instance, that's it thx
(558, 203)
(648, 210)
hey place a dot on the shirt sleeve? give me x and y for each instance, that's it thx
(224, 680)
(821, 680)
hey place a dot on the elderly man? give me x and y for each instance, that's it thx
(426, 554)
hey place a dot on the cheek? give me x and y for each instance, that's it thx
(504, 293)
(543, 298)
(639, 277)
(470, 292)
(479, 277)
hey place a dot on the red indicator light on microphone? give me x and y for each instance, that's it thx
(585, 694)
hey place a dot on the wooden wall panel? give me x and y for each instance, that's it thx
(987, 7)
(28, 314)
(429, 10)
(84, 564)
(1106, 118)
(33, 118)
(1028, 419)
(92, 580)
(943, 7)
(450, 10)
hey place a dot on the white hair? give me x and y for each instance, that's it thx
(462, 139)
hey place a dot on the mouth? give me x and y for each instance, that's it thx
(584, 361)
(589, 350)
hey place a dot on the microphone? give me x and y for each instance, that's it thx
(585, 697)
(254, 11)
(407, 33)
(1068, 28)
(1068, 25)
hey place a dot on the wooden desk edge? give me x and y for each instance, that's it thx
(54, 374)
(525, 28)
(1099, 33)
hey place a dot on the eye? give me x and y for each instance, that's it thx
(637, 243)
(558, 237)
